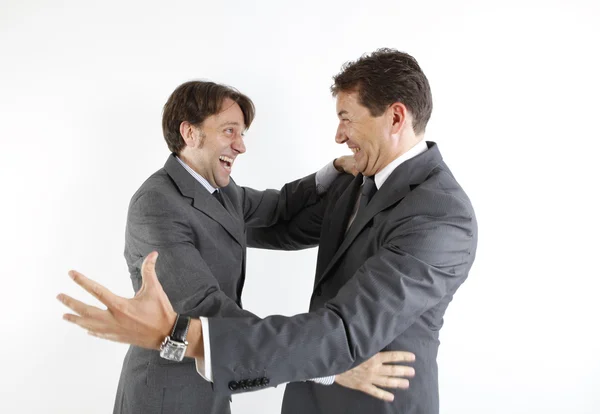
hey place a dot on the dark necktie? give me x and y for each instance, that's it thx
(218, 196)
(368, 191)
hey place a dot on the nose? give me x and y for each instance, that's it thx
(238, 145)
(340, 135)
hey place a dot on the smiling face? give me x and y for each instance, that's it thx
(383, 105)
(212, 147)
(368, 137)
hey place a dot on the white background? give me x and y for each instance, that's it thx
(515, 86)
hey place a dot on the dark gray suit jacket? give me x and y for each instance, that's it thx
(201, 265)
(383, 286)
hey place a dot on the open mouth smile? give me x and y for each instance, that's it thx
(226, 162)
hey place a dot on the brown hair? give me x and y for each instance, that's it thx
(384, 77)
(195, 101)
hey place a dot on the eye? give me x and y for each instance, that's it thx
(229, 131)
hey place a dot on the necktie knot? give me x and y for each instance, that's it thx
(369, 188)
(217, 194)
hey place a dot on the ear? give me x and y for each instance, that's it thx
(399, 116)
(187, 132)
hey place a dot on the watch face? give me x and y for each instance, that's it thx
(173, 350)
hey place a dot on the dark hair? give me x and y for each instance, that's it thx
(195, 101)
(384, 77)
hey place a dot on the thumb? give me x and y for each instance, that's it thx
(149, 278)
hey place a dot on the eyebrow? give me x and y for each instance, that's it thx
(229, 123)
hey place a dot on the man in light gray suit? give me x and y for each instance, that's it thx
(396, 242)
(196, 216)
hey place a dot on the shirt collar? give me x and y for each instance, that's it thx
(383, 175)
(197, 176)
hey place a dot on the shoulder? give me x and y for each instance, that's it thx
(441, 191)
(158, 189)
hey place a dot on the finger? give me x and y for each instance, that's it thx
(378, 393)
(150, 281)
(75, 319)
(83, 309)
(149, 277)
(396, 356)
(391, 382)
(85, 323)
(95, 289)
(396, 371)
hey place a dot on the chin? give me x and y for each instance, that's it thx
(223, 182)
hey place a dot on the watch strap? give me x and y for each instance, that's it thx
(180, 329)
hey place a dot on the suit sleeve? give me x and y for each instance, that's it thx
(264, 208)
(422, 259)
(154, 224)
(302, 228)
(282, 213)
(301, 232)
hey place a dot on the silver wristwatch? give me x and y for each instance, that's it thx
(174, 346)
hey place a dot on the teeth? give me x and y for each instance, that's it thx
(355, 150)
(226, 159)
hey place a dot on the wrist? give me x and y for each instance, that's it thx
(338, 165)
(174, 345)
(165, 329)
(195, 347)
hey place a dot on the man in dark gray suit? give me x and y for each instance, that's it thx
(396, 242)
(195, 215)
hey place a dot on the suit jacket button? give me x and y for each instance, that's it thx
(233, 385)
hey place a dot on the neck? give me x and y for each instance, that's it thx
(188, 160)
(403, 145)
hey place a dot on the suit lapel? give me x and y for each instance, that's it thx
(402, 181)
(204, 201)
(335, 225)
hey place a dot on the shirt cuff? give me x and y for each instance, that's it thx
(204, 365)
(324, 380)
(324, 177)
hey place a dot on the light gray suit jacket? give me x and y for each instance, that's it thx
(385, 285)
(201, 265)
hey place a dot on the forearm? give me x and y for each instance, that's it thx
(312, 345)
(302, 232)
(268, 207)
(304, 229)
(195, 348)
(281, 206)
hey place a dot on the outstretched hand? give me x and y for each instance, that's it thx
(144, 320)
